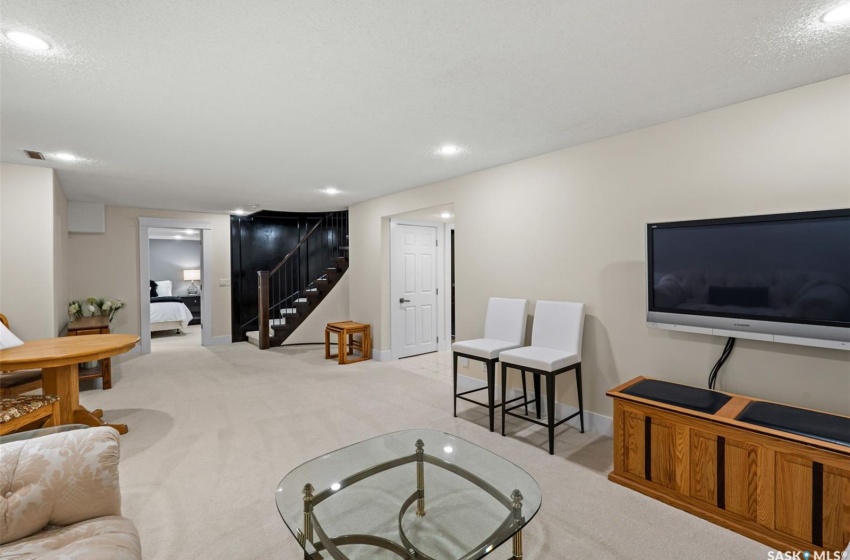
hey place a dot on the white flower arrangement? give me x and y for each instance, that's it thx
(94, 306)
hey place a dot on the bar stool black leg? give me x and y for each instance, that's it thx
(454, 354)
(550, 410)
(580, 405)
(524, 391)
(537, 396)
(504, 393)
(491, 391)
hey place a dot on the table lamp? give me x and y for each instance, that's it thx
(192, 275)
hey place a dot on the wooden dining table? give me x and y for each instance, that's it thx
(58, 358)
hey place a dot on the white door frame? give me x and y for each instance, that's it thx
(144, 275)
(443, 319)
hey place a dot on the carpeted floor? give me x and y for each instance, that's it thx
(213, 430)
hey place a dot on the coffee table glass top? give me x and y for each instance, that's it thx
(364, 500)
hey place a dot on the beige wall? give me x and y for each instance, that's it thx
(33, 275)
(569, 225)
(61, 272)
(107, 264)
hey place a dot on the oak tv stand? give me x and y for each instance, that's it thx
(775, 473)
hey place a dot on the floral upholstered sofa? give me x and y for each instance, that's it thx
(60, 499)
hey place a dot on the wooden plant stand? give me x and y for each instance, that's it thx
(786, 490)
(346, 332)
(95, 324)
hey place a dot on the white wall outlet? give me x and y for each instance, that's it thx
(464, 362)
(224, 282)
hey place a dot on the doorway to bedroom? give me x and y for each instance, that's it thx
(175, 287)
(174, 263)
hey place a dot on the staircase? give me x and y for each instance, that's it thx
(290, 291)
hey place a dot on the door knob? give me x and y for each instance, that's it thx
(402, 300)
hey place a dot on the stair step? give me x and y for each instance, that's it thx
(299, 309)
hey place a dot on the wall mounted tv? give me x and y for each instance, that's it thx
(782, 277)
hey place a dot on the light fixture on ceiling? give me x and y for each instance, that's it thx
(448, 449)
(449, 150)
(238, 212)
(446, 215)
(178, 237)
(331, 191)
(27, 41)
(190, 231)
(839, 14)
(65, 156)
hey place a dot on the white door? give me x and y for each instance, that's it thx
(413, 287)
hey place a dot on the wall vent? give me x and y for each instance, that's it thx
(33, 154)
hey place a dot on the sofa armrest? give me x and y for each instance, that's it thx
(58, 480)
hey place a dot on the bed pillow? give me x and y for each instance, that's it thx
(163, 288)
(8, 339)
(153, 289)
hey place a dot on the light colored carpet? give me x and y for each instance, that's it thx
(213, 430)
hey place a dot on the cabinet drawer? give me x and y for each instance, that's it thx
(86, 331)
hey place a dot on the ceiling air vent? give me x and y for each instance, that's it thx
(33, 154)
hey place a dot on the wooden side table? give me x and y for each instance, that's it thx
(96, 324)
(346, 332)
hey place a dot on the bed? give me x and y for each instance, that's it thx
(167, 312)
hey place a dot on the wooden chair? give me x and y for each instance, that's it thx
(18, 382)
(28, 412)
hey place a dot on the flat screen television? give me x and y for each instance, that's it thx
(781, 277)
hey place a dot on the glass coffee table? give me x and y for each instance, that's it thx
(416, 494)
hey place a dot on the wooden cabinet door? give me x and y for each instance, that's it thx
(741, 466)
(703, 467)
(794, 496)
(633, 443)
(836, 507)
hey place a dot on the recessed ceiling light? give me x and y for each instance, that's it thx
(178, 237)
(838, 14)
(190, 231)
(27, 41)
(446, 215)
(65, 156)
(331, 191)
(238, 212)
(448, 449)
(449, 150)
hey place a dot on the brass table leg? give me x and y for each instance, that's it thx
(516, 503)
(307, 536)
(420, 478)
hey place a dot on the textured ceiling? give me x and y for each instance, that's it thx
(209, 106)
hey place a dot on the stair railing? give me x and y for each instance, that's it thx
(281, 288)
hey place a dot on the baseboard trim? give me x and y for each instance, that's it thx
(381, 355)
(593, 422)
(218, 340)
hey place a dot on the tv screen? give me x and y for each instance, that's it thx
(786, 268)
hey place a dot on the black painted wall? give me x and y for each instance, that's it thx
(259, 242)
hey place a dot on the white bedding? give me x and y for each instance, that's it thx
(166, 311)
